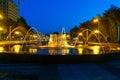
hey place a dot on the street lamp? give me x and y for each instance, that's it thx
(96, 31)
(1, 29)
(1, 16)
(17, 32)
(10, 32)
(80, 34)
(96, 20)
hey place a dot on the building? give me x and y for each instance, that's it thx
(9, 9)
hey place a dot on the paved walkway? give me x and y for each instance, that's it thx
(86, 71)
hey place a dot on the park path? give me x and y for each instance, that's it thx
(86, 71)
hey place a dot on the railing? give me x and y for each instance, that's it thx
(18, 42)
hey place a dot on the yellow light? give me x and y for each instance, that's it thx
(1, 49)
(96, 50)
(1, 17)
(17, 48)
(31, 50)
(118, 48)
(68, 36)
(35, 36)
(17, 32)
(1, 29)
(96, 31)
(80, 34)
(95, 20)
(80, 50)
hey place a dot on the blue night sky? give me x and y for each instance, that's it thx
(51, 15)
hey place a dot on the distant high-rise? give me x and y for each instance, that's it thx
(9, 9)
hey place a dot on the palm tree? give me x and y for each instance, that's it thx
(112, 17)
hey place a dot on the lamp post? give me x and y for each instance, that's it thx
(10, 32)
(96, 20)
(1, 32)
(1, 18)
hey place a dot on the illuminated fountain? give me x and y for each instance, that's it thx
(19, 46)
(94, 47)
(58, 44)
(58, 40)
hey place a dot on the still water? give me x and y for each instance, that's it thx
(81, 50)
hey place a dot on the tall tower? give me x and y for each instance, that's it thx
(9, 9)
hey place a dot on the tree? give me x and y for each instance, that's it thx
(22, 22)
(112, 19)
(74, 32)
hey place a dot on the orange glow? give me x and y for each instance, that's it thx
(1, 17)
(17, 32)
(96, 31)
(17, 48)
(95, 20)
(80, 34)
(1, 49)
(96, 50)
(1, 29)
(80, 51)
(32, 50)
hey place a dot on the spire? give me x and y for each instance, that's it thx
(63, 31)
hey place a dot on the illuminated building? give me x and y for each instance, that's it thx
(9, 9)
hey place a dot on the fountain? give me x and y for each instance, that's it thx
(27, 35)
(59, 40)
(93, 47)
(58, 44)
(18, 46)
(82, 51)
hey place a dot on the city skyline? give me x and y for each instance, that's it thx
(50, 16)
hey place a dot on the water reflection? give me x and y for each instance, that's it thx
(81, 50)
(89, 50)
(2, 49)
(59, 51)
(16, 48)
(96, 49)
(32, 50)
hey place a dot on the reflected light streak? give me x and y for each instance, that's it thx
(1, 49)
(52, 51)
(59, 51)
(65, 51)
(17, 48)
(80, 51)
(31, 50)
(96, 50)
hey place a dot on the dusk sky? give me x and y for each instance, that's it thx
(51, 15)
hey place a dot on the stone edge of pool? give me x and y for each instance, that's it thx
(56, 59)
